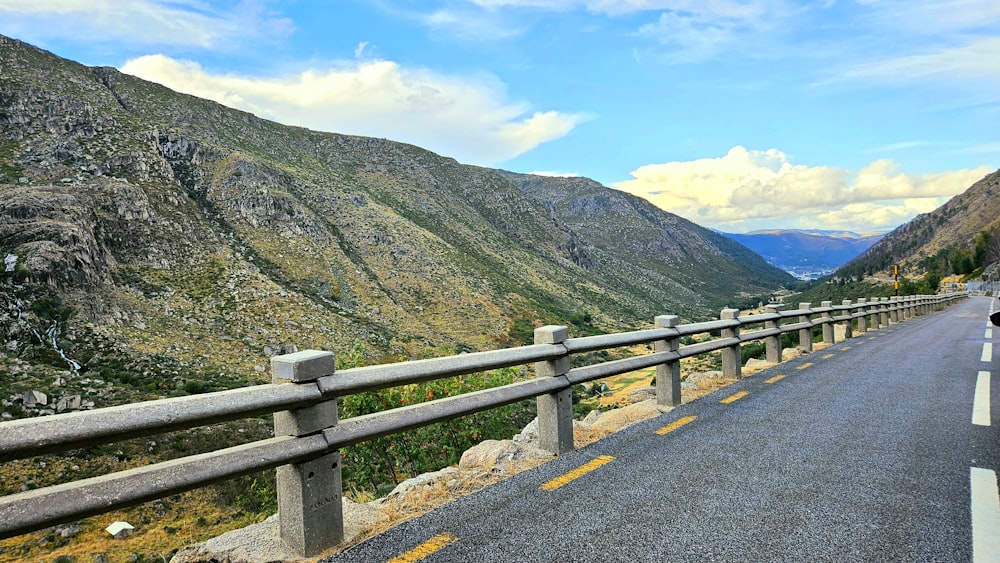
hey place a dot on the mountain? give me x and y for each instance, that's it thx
(197, 239)
(807, 254)
(956, 226)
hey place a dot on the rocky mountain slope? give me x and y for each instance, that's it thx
(954, 225)
(807, 254)
(202, 238)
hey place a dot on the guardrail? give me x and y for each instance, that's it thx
(308, 433)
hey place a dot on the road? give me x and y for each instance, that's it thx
(864, 451)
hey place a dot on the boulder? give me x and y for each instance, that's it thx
(790, 354)
(641, 394)
(591, 418)
(34, 398)
(488, 453)
(360, 517)
(422, 480)
(617, 419)
(757, 364)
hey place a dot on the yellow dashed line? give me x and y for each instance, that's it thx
(576, 473)
(774, 379)
(675, 425)
(425, 549)
(734, 397)
(805, 365)
(827, 356)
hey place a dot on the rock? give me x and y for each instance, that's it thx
(591, 418)
(68, 530)
(529, 434)
(257, 543)
(359, 518)
(422, 480)
(641, 394)
(617, 419)
(120, 530)
(33, 398)
(702, 376)
(12, 345)
(71, 402)
(688, 385)
(790, 354)
(757, 364)
(99, 558)
(488, 453)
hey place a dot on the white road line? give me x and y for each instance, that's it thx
(987, 352)
(985, 507)
(989, 334)
(981, 403)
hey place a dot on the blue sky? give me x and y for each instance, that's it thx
(738, 115)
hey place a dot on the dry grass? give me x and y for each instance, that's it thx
(160, 528)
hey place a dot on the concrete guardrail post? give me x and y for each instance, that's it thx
(555, 410)
(310, 515)
(828, 337)
(873, 311)
(772, 344)
(849, 323)
(894, 310)
(806, 334)
(910, 310)
(863, 319)
(883, 311)
(732, 364)
(668, 375)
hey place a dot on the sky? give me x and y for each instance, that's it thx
(738, 115)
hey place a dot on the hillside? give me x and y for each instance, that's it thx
(173, 243)
(807, 254)
(967, 227)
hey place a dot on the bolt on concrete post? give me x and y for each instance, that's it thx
(668, 375)
(849, 323)
(863, 319)
(873, 311)
(555, 410)
(772, 344)
(806, 334)
(732, 364)
(883, 311)
(310, 515)
(828, 337)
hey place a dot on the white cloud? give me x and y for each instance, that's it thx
(748, 189)
(456, 116)
(976, 59)
(184, 23)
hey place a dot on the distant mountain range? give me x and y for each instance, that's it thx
(807, 254)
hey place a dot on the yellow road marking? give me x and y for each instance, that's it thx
(576, 473)
(827, 356)
(675, 425)
(425, 549)
(805, 365)
(774, 379)
(845, 348)
(734, 397)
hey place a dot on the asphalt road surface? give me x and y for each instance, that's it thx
(868, 450)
